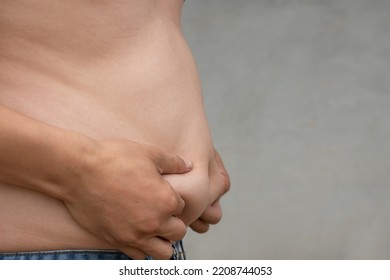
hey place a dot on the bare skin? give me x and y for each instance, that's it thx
(100, 102)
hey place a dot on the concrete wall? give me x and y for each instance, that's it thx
(297, 93)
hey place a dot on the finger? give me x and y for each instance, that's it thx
(168, 163)
(219, 179)
(218, 160)
(217, 185)
(213, 214)
(173, 229)
(158, 248)
(173, 201)
(200, 226)
(180, 206)
(133, 253)
(225, 174)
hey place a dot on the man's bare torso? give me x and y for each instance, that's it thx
(106, 69)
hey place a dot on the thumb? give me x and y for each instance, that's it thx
(168, 163)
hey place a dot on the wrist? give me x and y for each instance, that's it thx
(77, 160)
(39, 156)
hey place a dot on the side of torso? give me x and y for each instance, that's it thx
(140, 85)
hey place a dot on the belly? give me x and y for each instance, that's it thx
(148, 93)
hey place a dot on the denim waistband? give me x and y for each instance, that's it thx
(178, 254)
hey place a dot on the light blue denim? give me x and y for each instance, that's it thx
(178, 254)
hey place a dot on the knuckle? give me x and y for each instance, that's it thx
(170, 201)
(151, 226)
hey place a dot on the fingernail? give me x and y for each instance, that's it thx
(188, 164)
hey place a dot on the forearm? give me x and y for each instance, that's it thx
(112, 188)
(38, 156)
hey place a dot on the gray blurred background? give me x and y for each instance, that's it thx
(297, 93)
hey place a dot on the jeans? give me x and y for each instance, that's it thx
(178, 254)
